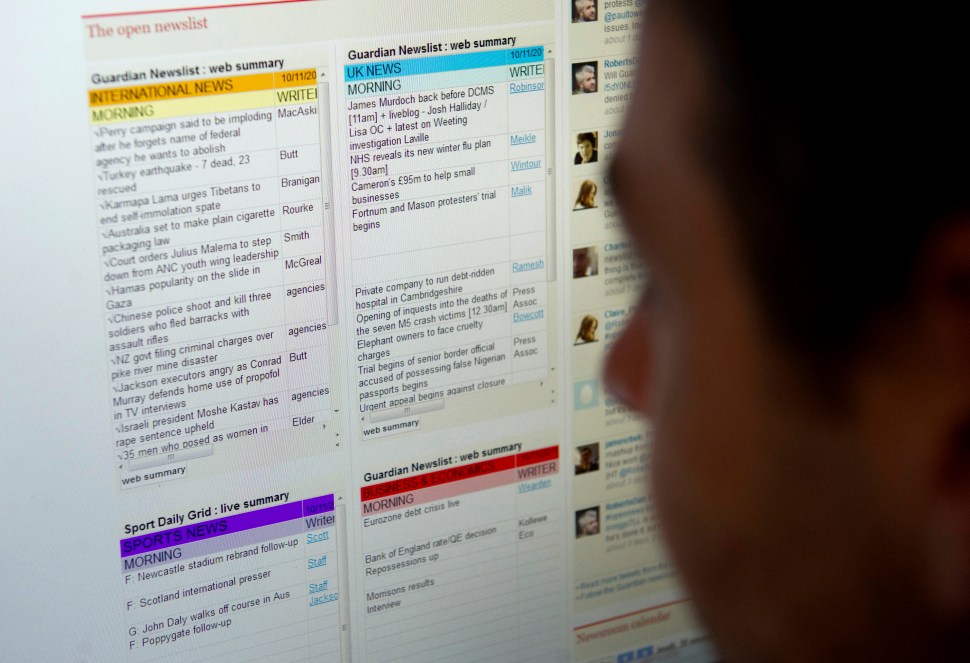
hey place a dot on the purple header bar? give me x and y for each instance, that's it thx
(209, 529)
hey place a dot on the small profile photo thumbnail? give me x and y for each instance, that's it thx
(586, 196)
(584, 11)
(587, 147)
(585, 262)
(587, 522)
(584, 77)
(587, 330)
(587, 458)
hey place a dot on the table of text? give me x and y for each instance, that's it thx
(211, 211)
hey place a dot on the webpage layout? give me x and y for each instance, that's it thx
(345, 275)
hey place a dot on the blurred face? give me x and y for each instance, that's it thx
(587, 10)
(585, 149)
(581, 263)
(761, 494)
(587, 81)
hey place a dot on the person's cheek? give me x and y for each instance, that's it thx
(627, 366)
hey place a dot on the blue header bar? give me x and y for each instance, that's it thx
(442, 63)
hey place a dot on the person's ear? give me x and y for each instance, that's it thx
(943, 290)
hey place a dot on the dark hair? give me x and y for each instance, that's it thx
(840, 136)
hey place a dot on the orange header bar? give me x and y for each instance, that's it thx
(201, 87)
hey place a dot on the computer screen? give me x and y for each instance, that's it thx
(308, 306)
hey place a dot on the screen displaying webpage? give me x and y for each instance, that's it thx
(330, 286)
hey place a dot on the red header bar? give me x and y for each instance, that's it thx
(537, 456)
(458, 473)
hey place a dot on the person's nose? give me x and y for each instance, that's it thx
(628, 365)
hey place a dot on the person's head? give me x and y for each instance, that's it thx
(587, 328)
(584, 10)
(796, 182)
(582, 262)
(587, 190)
(586, 145)
(584, 79)
(588, 523)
